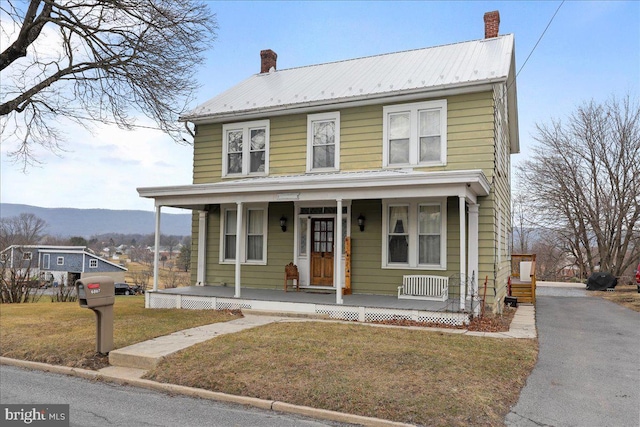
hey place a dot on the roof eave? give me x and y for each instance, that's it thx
(265, 190)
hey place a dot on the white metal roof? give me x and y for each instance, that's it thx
(408, 72)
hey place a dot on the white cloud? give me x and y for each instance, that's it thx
(101, 170)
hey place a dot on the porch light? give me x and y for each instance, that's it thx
(283, 223)
(361, 222)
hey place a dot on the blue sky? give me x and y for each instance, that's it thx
(590, 51)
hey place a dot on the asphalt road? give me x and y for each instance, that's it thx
(94, 404)
(588, 369)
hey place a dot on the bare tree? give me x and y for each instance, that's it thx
(17, 281)
(522, 221)
(96, 60)
(170, 242)
(583, 180)
(23, 229)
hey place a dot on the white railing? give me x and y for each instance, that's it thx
(433, 288)
(339, 312)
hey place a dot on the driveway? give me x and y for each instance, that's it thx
(588, 369)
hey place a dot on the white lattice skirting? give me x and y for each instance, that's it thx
(339, 312)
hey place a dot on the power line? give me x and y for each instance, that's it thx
(539, 39)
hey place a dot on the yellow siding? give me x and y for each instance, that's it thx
(470, 135)
(472, 130)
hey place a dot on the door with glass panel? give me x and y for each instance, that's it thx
(322, 230)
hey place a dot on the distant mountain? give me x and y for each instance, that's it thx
(67, 222)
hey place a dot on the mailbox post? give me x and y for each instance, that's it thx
(98, 294)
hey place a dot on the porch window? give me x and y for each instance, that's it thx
(303, 236)
(429, 234)
(415, 134)
(255, 238)
(27, 256)
(398, 234)
(323, 141)
(230, 220)
(246, 148)
(414, 235)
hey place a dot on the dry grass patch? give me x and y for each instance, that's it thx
(626, 295)
(64, 333)
(404, 375)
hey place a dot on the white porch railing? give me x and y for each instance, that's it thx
(333, 311)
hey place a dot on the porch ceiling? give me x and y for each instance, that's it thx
(387, 184)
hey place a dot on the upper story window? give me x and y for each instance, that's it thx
(60, 260)
(323, 142)
(27, 256)
(415, 134)
(245, 148)
(93, 263)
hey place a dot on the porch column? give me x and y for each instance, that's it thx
(338, 253)
(238, 241)
(156, 251)
(202, 248)
(463, 252)
(473, 250)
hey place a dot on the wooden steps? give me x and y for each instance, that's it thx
(525, 292)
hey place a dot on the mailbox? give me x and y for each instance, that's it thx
(98, 294)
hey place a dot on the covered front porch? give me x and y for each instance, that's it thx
(279, 214)
(356, 307)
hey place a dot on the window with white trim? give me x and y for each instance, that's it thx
(245, 148)
(253, 240)
(323, 142)
(93, 263)
(230, 221)
(27, 256)
(60, 260)
(255, 234)
(415, 134)
(429, 234)
(414, 234)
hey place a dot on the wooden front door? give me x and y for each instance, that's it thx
(322, 251)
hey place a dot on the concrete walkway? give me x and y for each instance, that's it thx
(146, 355)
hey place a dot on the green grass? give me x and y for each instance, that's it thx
(407, 375)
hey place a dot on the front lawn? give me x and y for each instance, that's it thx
(64, 334)
(410, 375)
(413, 376)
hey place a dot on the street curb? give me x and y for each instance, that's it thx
(272, 405)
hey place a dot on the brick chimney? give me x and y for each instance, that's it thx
(491, 24)
(268, 60)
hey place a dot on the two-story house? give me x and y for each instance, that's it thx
(363, 173)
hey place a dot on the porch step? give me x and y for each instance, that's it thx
(522, 291)
(256, 312)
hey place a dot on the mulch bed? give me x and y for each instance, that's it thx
(488, 323)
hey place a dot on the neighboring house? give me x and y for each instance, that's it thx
(62, 264)
(407, 154)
